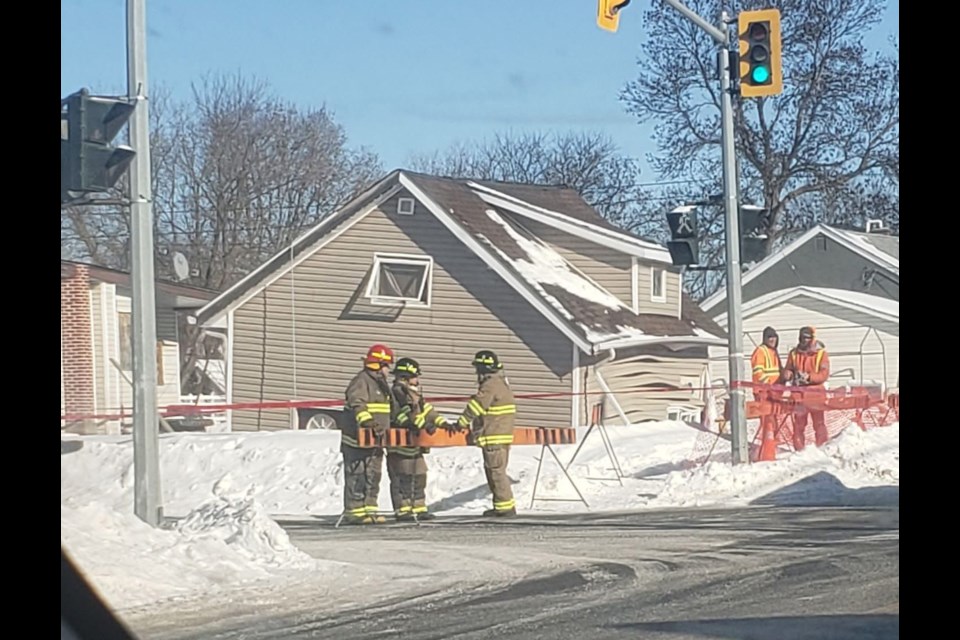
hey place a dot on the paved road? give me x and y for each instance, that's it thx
(766, 572)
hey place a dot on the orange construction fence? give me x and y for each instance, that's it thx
(793, 417)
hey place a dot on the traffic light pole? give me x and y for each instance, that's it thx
(738, 425)
(145, 416)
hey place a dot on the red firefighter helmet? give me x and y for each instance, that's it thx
(378, 355)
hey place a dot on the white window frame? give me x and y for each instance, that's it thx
(373, 283)
(663, 284)
(406, 201)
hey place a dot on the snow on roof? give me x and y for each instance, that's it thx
(565, 288)
(864, 243)
(546, 266)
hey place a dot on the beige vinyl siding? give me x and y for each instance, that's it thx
(637, 378)
(107, 379)
(645, 301)
(861, 347)
(303, 337)
(167, 353)
(609, 268)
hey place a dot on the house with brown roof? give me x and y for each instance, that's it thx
(96, 344)
(439, 268)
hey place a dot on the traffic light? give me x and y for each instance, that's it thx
(89, 162)
(754, 227)
(684, 244)
(761, 73)
(608, 13)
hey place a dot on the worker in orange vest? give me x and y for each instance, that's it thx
(765, 361)
(808, 367)
(767, 369)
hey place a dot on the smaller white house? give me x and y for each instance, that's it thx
(96, 344)
(861, 332)
(844, 283)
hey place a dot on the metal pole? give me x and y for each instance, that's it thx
(738, 426)
(145, 427)
(721, 36)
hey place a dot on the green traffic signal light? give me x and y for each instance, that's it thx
(761, 75)
(761, 72)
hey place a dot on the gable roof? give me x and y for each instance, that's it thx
(876, 306)
(584, 311)
(882, 250)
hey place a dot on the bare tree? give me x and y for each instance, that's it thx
(237, 174)
(251, 173)
(586, 162)
(832, 134)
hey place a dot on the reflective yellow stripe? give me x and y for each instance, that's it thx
(378, 407)
(363, 416)
(818, 360)
(502, 410)
(370, 509)
(405, 509)
(420, 421)
(349, 441)
(404, 416)
(359, 511)
(496, 439)
(506, 504)
(476, 407)
(419, 509)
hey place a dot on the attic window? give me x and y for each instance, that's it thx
(405, 206)
(400, 279)
(821, 243)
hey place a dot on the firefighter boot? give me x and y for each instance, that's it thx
(353, 519)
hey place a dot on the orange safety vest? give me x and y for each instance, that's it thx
(766, 365)
(815, 363)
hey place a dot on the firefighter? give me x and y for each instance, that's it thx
(406, 466)
(489, 416)
(808, 366)
(767, 370)
(368, 403)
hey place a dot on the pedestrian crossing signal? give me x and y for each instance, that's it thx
(760, 70)
(684, 243)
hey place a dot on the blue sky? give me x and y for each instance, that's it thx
(401, 76)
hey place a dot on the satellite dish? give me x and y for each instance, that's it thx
(180, 266)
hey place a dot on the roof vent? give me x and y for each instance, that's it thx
(405, 206)
(877, 226)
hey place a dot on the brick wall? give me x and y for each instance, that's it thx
(77, 340)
